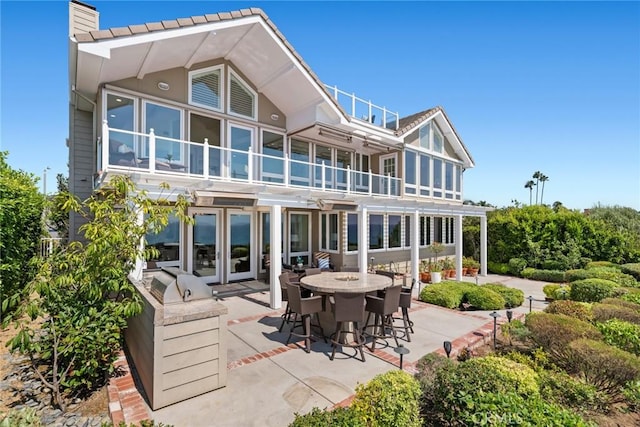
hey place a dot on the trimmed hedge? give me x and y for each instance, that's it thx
(632, 269)
(484, 299)
(513, 297)
(621, 303)
(598, 264)
(555, 276)
(592, 290)
(389, 399)
(603, 312)
(339, 417)
(621, 334)
(498, 267)
(516, 265)
(447, 294)
(607, 273)
(578, 310)
(561, 388)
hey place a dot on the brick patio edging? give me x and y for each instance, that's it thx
(125, 402)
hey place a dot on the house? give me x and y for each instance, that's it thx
(277, 165)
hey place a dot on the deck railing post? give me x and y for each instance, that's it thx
(286, 169)
(105, 145)
(348, 179)
(250, 165)
(152, 150)
(388, 185)
(205, 159)
(370, 182)
(323, 174)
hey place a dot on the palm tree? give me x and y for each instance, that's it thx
(536, 176)
(543, 178)
(530, 185)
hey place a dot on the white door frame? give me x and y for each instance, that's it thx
(253, 246)
(190, 243)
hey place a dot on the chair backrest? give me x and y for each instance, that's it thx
(295, 298)
(349, 306)
(392, 299)
(406, 295)
(312, 271)
(350, 269)
(390, 274)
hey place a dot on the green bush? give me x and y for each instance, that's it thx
(579, 310)
(26, 417)
(591, 290)
(631, 269)
(516, 265)
(550, 290)
(561, 388)
(389, 399)
(556, 276)
(485, 299)
(448, 294)
(633, 297)
(537, 360)
(607, 273)
(621, 334)
(498, 267)
(621, 303)
(553, 264)
(554, 331)
(598, 264)
(603, 312)
(631, 393)
(338, 417)
(608, 368)
(513, 297)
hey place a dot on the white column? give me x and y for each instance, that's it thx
(415, 249)
(459, 244)
(275, 220)
(363, 243)
(136, 274)
(483, 245)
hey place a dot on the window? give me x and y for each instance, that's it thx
(299, 163)
(437, 178)
(424, 136)
(201, 128)
(410, 172)
(449, 231)
(166, 123)
(394, 228)
(167, 242)
(407, 231)
(425, 162)
(448, 180)
(120, 114)
(323, 157)
(437, 229)
(273, 157)
(343, 161)
(242, 99)
(205, 88)
(438, 140)
(458, 181)
(362, 176)
(376, 231)
(425, 230)
(352, 232)
(299, 245)
(240, 143)
(329, 232)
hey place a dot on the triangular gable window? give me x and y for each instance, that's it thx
(205, 88)
(431, 138)
(242, 99)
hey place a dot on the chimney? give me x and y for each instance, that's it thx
(83, 18)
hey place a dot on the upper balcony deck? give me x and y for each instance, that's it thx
(365, 110)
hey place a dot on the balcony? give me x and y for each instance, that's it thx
(121, 150)
(364, 110)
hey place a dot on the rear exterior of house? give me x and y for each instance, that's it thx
(277, 165)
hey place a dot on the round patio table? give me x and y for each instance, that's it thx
(332, 282)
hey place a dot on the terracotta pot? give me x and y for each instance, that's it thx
(425, 277)
(472, 272)
(464, 271)
(452, 273)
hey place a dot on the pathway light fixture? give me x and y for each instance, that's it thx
(401, 350)
(495, 316)
(447, 348)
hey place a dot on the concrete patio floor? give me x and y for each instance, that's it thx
(269, 381)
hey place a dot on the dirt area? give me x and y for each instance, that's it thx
(96, 405)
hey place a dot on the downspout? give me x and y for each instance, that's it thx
(94, 104)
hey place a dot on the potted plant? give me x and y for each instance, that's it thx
(448, 268)
(425, 272)
(436, 273)
(474, 266)
(466, 263)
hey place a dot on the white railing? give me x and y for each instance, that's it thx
(49, 244)
(126, 150)
(365, 110)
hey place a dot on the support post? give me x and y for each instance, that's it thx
(483, 245)
(415, 249)
(363, 246)
(459, 244)
(275, 254)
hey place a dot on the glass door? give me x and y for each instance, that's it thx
(239, 158)
(299, 238)
(204, 252)
(240, 259)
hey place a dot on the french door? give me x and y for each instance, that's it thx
(240, 262)
(204, 251)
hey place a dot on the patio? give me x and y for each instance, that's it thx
(269, 381)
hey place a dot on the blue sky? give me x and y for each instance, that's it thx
(548, 86)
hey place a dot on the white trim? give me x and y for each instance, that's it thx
(309, 251)
(221, 83)
(143, 124)
(328, 232)
(261, 160)
(231, 73)
(192, 211)
(251, 256)
(227, 162)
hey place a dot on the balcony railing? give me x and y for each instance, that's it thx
(365, 110)
(126, 150)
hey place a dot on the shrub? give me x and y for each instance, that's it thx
(575, 309)
(340, 417)
(485, 299)
(25, 417)
(448, 294)
(621, 334)
(561, 388)
(554, 331)
(556, 276)
(607, 273)
(516, 265)
(621, 303)
(389, 399)
(498, 267)
(591, 290)
(597, 264)
(631, 269)
(631, 393)
(536, 360)
(512, 297)
(633, 297)
(604, 312)
(608, 368)
(553, 264)
(550, 290)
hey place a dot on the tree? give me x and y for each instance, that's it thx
(20, 232)
(536, 176)
(82, 296)
(57, 216)
(530, 185)
(543, 178)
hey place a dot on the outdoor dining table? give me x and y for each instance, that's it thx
(328, 283)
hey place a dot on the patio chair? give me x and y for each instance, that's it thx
(322, 260)
(305, 308)
(348, 307)
(266, 263)
(405, 305)
(383, 309)
(350, 269)
(285, 280)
